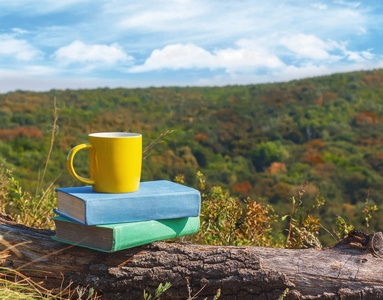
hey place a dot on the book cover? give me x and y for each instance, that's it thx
(115, 237)
(154, 200)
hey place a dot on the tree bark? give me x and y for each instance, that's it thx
(352, 269)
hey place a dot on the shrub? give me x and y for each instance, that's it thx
(226, 220)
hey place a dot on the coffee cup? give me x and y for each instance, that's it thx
(115, 160)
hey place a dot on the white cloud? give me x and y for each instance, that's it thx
(19, 49)
(348, 3)
(208, 23)
(364, 56)
(189, 56)
(288, 53)
(38, 6)
(78, 52)
(170, 15)
(19, 31)
(246, 60)
(177, 57)
(359, 56)
(320, 6)
(161, 19)
(309, 46)
(40, 70)
(362, 30)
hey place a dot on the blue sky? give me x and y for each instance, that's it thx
(47, 44)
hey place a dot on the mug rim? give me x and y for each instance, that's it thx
(114, 134)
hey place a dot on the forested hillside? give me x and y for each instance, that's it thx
(258, 140)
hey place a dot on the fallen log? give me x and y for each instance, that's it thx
(352, 269)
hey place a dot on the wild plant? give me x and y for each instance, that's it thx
(31, 210)
(304, 227)
(258, 221)
(368, 210)
(158, 292)
(343, 229)
(227, 220)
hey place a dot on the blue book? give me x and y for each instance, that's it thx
(154, 200)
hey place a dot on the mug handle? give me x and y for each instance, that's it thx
(69, 162)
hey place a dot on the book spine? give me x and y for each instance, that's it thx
(63, 214)
(141, 233)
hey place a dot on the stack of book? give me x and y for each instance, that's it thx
(158, 210)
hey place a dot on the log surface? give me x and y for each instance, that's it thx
(352, 269)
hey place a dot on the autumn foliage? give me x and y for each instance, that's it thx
(20, 132)
(367, 118)
(241, 187)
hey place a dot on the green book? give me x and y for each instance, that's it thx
(115, 237)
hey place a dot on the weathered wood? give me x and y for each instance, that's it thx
(350, 270)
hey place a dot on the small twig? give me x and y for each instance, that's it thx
(328, 232)
(52, 141)
(13, 247)
(297, 202)
(190, 291)
(45, 256)
(154, 144)
(49, 187)
(220, 234)
(189, 288)
(230, 235)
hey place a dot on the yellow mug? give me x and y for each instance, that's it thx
(115, 160)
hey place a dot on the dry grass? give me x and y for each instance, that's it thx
(15, 285)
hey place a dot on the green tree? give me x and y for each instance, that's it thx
(266, 153)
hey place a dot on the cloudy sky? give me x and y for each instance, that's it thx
(46, 44)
